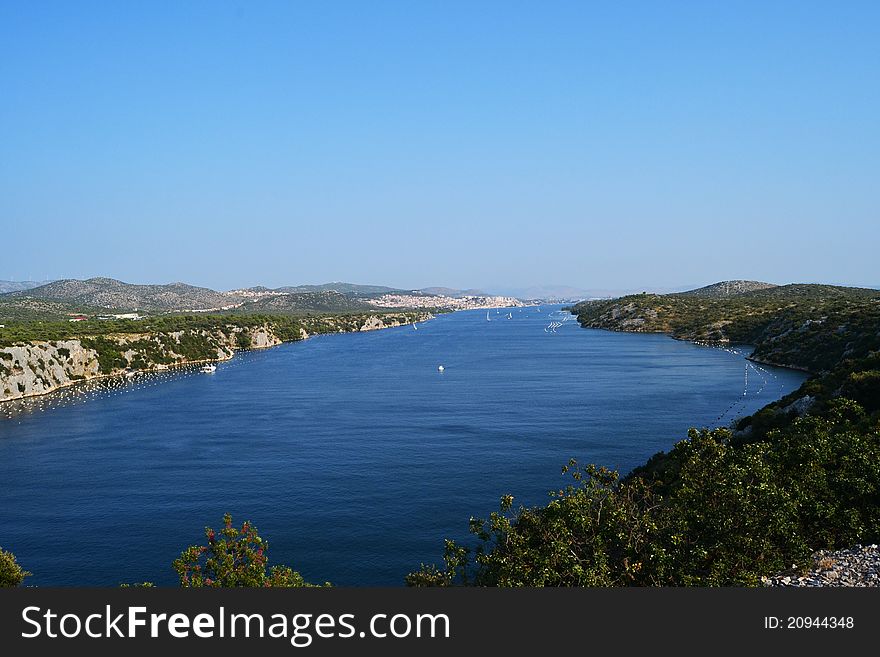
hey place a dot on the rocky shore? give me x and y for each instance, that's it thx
(34, 368)
(856, 566)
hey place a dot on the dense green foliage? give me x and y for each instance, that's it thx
(233, 557)
(11, 572)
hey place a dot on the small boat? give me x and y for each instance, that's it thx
(440, 368)
(208, 369)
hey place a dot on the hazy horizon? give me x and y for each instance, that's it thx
(532, 291)
(488, 145)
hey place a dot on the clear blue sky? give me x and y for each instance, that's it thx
(493, 144)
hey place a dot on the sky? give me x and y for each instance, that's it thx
(500, 145)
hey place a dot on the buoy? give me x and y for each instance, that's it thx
(440, 368)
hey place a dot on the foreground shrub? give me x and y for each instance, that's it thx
(11, 573)
(595, 532)
(233, 557)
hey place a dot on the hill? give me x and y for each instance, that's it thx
(807, 326)
(555, 293)
(110, 293)
(24, 309)
(343, 288)
(304, 303)
(728, 289)
(15, 286)
(96, 296)
(451, 292)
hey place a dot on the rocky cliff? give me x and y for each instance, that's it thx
(38, 367)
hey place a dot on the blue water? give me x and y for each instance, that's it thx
(353, 455)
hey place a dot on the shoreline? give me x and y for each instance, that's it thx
(187, 363)
(796, 368)
(122, 375)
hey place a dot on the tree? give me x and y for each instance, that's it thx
(11, 573)
(233, 557)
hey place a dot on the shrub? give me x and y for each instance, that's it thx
(11, 573)
(233, 557)
(243, 340)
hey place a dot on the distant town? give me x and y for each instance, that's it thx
(446, 302)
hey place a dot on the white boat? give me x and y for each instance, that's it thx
(440, 368)
(208, 369)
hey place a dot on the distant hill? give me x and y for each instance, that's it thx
(25, 309)
(451, 292)
(303, 303)
(555, 293)
(110, 293)
(728, 289)
(15, 286)
(343, 288)
(96, 296)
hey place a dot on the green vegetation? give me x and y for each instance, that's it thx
(286, 327)
(812, 327)
(233, 557)
(11, 573)
(243, 340)
(299, 304)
